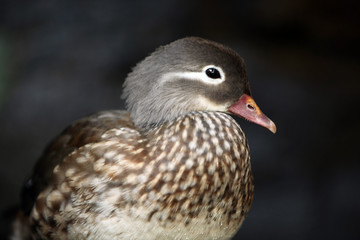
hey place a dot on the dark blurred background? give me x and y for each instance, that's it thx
(61, 60)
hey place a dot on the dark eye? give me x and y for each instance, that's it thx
(213, 73)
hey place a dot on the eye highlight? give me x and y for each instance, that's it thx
(213, 73)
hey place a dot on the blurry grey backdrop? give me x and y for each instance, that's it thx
(61, 60)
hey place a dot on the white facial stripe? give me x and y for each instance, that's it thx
(195, 76)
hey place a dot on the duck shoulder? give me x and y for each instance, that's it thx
(86, 130)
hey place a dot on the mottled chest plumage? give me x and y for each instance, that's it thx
(201, 161)
(194, 172)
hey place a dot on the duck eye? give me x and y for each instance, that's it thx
(212, 73)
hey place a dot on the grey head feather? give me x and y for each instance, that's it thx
(152, 99)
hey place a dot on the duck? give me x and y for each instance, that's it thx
(174, 165)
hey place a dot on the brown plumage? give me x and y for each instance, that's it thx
(183, 176)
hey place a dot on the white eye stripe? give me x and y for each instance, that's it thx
(195, 76)
(222, 74)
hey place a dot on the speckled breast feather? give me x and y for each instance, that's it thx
(189, 178)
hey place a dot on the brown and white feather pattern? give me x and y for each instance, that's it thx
(187, 179)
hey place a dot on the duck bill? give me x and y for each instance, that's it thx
(247, 108)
